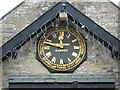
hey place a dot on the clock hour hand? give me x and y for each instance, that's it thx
(60, 38)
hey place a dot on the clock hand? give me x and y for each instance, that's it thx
(53, 44)
(61, 43)
(60, 38)
(62, 34)
(57, 44)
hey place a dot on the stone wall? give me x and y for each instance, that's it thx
(98, 61)
(99, 58)
(103, 13)
(21, 17)
(119, 48)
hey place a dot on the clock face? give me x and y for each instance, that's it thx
(61, 50)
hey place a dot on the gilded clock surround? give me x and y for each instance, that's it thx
(61, 47)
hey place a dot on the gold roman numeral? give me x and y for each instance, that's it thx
(48, 54)
(46, 47)
(68, 36)
(62, 34)
(54, 35)
(74, 40)
(53, 59)
(76, 47)
(61, 61)
(69, 60)
(74, 54)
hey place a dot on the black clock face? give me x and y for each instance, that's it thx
(61, 50)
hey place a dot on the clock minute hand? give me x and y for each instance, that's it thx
(53, 44)
(57, 44)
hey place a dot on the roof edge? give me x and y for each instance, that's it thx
(115, 5)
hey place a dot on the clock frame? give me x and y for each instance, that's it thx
(61, 50)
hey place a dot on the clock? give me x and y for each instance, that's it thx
(61, 50)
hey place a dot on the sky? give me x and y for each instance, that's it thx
(7, 5)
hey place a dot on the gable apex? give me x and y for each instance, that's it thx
(90, 27)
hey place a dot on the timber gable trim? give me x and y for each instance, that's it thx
(91, 27)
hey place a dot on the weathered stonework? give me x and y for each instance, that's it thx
(21, 17)
(98, 61)
(99, 12)
(103, 13)
(99, 58)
